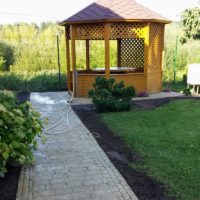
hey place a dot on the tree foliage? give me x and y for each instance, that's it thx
(190, 19)
(187, 52)
(35, 46)
(6, 56)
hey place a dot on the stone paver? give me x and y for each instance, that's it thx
(159, 95)
(70, 166)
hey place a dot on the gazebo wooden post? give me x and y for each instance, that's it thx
(69, 78)
(87, 54)
(146, 51)
(162, 55)
(107, 49)
(73, 55)
(118, 52)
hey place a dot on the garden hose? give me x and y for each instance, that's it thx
(68, 102)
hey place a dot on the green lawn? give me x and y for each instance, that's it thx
(168, 139)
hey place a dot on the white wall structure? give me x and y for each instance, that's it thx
(193, 77)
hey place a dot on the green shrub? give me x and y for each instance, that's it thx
(108, 95)
(6, 56)
(19, 127)
(187, 91)
(34, 82)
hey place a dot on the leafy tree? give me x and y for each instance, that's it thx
(190, 19)
(6, 56)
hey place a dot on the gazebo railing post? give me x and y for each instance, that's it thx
(87, 43)
(69, 79)
(73, 55)
(107, 49)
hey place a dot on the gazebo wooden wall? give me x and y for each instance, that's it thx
(148, 59)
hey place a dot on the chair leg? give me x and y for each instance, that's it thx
(198, 89)
(193, 89)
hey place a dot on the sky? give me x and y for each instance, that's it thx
(37, 11)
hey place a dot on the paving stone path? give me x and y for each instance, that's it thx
(69, 166)
(160, 95)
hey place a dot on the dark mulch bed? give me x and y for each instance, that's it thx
(145, 187)
(8, 184)
(23, 96)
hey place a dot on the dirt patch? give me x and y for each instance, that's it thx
(9, 183)
(145, 187)
(23, 96)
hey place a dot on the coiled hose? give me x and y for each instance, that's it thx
(67, 107)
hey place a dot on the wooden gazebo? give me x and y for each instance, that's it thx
(139, 33)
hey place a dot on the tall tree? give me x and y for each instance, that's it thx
(190, 19)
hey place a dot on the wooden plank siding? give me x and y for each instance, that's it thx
(154, 82)
(85, 81)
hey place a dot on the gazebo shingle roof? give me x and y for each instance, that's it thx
(115, 10)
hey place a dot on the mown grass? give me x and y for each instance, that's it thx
(33, 82)
(168, 139)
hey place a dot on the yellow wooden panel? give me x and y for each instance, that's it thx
(154, 83)
(127, 30)
(155, 47)
(136, 80)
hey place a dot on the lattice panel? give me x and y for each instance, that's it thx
(132, 53)
(127, 30)
(68, 33)
(155, 47)
(89, 31)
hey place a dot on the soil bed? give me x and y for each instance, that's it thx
(145, 187)
(9, 183)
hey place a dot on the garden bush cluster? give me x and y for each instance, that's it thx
(6, 56)
(109, 96)
(19, 127)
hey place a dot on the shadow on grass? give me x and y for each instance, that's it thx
(35, 82)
